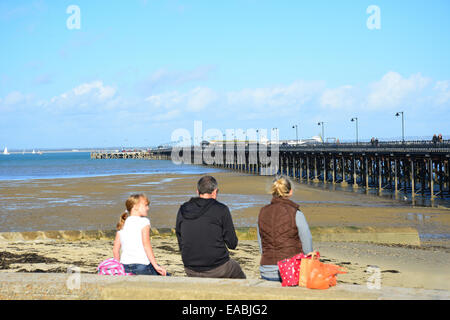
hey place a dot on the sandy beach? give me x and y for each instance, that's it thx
(96, 203)
(399, 266)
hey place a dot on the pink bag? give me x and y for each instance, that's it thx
(112, 267)
(290, 269)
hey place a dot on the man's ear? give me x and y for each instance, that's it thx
(198, 193)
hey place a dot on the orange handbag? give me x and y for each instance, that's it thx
(317, 275)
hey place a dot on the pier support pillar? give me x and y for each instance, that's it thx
(307, 168)
(294, 165)
(430, 163)
(412, 178)
(315, 169)
(300, 176)
(355, 182)
(395, 178)
(333, 172)
(344, 180)
(380, 177)
(366, 173)
(441, 178)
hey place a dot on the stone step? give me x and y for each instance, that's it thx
(92, 286)
(402, 236)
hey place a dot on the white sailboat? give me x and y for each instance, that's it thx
(33, 152)
(5, 151)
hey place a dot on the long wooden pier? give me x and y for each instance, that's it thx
(148, 155)
(411, 168)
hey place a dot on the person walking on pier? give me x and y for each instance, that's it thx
(204, 230)
(133, 236)
(282, 230)
(435, 139)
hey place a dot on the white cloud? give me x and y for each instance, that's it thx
(14, 98)
(199, 98)
(443, 92)
(166, 116)
(85, 96)
(295, 94)
(194, 100)
(97, 88)
(299, 98)
(342, 97)
(15, 101)
(393, 90)
(166, 100)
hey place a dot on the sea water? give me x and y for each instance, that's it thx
(80, 165)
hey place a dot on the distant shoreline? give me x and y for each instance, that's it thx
(59, 151)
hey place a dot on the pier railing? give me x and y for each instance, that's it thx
(387, 146)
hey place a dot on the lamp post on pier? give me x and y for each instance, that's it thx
(323, 131)
(356, 120)
(403, 125)
(296, 131)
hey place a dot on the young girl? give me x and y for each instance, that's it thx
(133, 236)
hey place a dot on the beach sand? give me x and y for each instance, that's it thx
(399, 266)
(96, 203)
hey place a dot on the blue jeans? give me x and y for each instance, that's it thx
(271, 279)
(141, 269)
(270, 272)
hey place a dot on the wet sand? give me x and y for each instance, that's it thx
(96, 203)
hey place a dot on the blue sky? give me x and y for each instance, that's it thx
(136, 71)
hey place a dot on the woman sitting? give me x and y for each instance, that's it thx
(282, 230)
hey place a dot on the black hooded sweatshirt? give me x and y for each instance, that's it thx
(203, 228)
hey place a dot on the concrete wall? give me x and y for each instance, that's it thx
(403, 236)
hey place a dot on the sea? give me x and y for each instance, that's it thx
(56, 165)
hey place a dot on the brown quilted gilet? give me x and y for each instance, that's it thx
(278, 231)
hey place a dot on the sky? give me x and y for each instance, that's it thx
(131, 73)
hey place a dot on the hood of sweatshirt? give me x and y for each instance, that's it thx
(196, 207)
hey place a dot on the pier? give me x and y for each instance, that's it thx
(411, 168)
(148, 155)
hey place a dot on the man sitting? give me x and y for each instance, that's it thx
(204, 230)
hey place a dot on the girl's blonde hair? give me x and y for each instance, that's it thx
(129, 204)
(281, 187)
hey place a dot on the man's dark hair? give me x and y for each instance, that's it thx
(206, 184)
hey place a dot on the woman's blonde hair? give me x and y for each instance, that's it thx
(129, 204)
(281, 187)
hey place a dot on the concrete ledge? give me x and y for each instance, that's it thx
(403, 236)
(92, 286)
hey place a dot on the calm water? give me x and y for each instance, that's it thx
(79, 165)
